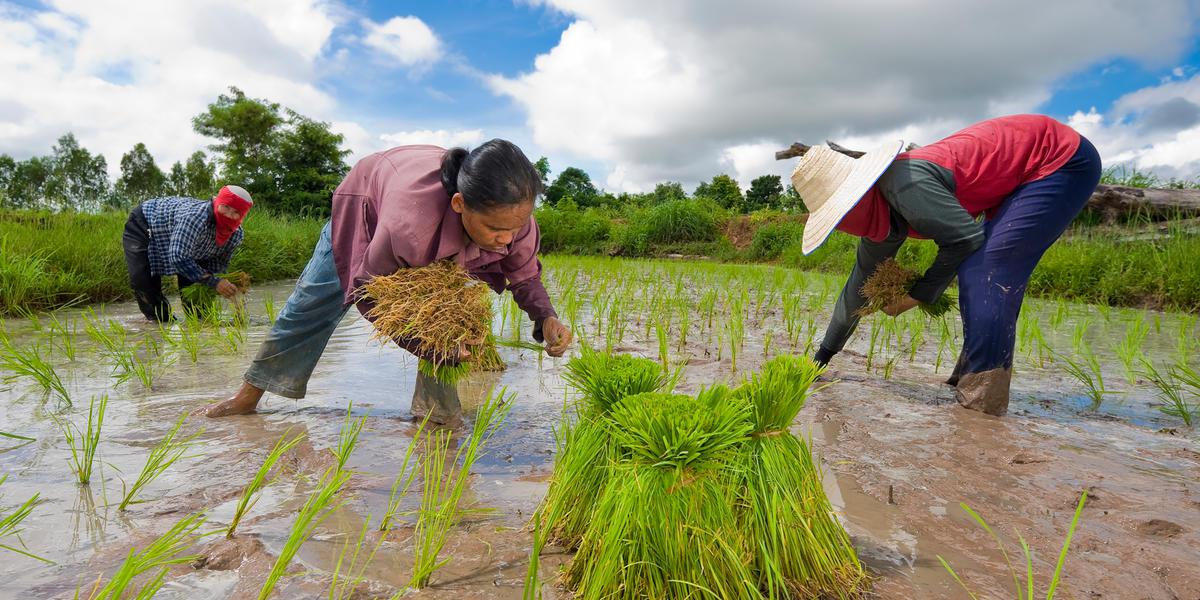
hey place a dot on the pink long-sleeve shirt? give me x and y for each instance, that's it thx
(392, 212)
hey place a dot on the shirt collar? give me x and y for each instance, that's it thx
(454, 242)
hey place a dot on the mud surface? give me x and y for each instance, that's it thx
(900, 456)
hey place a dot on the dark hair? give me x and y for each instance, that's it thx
(496, 173)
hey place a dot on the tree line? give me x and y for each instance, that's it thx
(291, 164)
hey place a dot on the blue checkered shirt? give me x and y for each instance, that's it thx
(183, 239)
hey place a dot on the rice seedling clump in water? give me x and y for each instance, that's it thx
(891, 282)
(800, 549)
(666, 526)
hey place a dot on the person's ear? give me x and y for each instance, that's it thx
(457, 203)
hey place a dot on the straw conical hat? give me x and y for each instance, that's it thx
(831, 183)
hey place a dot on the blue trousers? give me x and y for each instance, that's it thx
(992, 281)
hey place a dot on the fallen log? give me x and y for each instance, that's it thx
(1113, 202)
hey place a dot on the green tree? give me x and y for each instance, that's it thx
(311, 164)
(27, 182)
(572, 183)
(78, 180)
(248, 130)
(8, 170)
(195, 179)
(791, 202)
(724, 191)
(764, 192)
(667, 192)
(543, 168)
(140, 180)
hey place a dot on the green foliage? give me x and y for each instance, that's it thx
(773, 238)
(287, 162)
(140, 180)
(565, 228)
(163, 552)
(543, 168)
(724, 191)
(70, 178)
(195, 179)
(84, 443)
(765, 192)
(10, 526)
(165, 453)
(252, 491)
(573, 183)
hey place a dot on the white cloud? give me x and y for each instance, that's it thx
(682, 89)
(405, 39)
(441, 137)
(1154, 129)
(120, 72)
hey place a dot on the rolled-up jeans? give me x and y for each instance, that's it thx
(290, 352)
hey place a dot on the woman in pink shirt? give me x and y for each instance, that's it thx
(408, 207)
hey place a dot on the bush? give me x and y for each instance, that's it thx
(680, 221)
(567, 229)
(771, 239)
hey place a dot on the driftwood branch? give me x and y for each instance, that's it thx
(1111, 201)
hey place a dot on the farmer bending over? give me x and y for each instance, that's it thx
(192, 239)
(1028, 175)
(409, 207)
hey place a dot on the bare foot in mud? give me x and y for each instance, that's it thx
(243, 403)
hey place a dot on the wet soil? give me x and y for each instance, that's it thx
(899, 455)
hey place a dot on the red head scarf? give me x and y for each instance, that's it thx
(237, 199)
(870, 218)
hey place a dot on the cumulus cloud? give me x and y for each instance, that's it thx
(405, 39)
(118, 73)
(681, 89)
(441, 137)
(1154, 129)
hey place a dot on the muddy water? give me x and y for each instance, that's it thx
(899, 456)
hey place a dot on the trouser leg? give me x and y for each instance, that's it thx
(437, 400)
(147, 288)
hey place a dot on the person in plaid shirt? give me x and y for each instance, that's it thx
(189, 238)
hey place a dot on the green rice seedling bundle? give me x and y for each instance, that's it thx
(204, 301)
(584, 445)
(891, 282)
(800, 549)
(665, 525)
(439, 307)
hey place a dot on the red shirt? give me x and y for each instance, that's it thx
(991, 159)
(392, 212)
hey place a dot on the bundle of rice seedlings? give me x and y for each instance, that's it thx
(800, 549)
(665, 525)
(584, 446)
(205, 303)
(891, 282)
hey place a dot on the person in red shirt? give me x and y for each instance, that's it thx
(993, 196)
(409, 207)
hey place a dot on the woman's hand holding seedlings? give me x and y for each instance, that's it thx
(557, 336)
(227, 289)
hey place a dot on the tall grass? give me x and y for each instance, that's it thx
(51, 260)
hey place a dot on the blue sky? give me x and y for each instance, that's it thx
(634, 92)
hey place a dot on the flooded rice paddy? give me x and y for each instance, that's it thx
(899, 454)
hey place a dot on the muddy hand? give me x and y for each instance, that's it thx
(464, 352)
(901, 305)
(558, 336)
(227, 289)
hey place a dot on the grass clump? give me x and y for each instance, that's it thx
(665, 526)
(891, 282)
(800, 549)
(84, 443)
(31, 364)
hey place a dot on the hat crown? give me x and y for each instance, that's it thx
(819, 173)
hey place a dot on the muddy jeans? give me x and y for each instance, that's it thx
(992, 281)
(290, 352)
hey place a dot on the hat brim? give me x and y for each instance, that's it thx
(866, 171)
